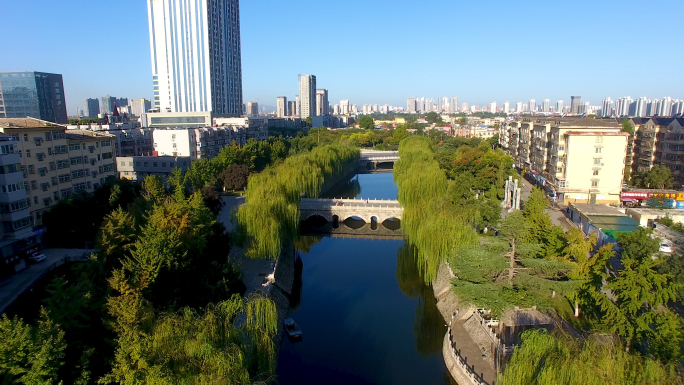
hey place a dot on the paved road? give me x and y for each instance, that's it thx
(12, 286)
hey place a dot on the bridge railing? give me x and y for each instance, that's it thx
(377, 203)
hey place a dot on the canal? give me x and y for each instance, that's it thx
(366, 316)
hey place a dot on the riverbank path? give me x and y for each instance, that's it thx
(469, 349)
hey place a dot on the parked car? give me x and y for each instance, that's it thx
(37, 257)
(665, 247)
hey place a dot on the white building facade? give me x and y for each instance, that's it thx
(196, 59)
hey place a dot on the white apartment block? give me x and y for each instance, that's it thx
(582, 160)
(196, 143)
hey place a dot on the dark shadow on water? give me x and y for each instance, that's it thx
(429, 326)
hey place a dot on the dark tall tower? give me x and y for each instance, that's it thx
(36, 94)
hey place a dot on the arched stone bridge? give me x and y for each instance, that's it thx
(340, 209)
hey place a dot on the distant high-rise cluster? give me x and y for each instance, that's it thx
(641, 107)
(424, 105)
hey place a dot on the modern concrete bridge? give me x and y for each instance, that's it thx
(338, 210)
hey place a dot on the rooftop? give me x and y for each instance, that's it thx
(589, 209)
(27, 123)
(86, 135)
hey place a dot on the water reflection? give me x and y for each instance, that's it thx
(428, 327)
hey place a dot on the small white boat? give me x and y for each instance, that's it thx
(292, 329)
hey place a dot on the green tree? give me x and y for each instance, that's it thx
(659, 177)
(234, 177)
(398, 134)
(641, 293)
(434, 118)
(30, 355)
(515, 228)
(366, 122)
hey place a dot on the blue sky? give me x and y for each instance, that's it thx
(375, 51)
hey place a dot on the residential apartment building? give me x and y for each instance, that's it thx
(17, 238)
(307, 96)
(659, 141)
(196, 55)
(137, 168)
(39, 95)
(322, 104)
(282, 107)
(140, 106)
(252, 108)
(55, 164)
(582, 160)
(256, 127)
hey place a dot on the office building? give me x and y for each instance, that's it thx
(121, 102)
(291, 108)
(322, 105)
(492, 107)
(506, 107)
(532, 105)
(253, 108)
(92, 108)
(336, 109)
(307, 96)
(196, 55)
(39, 95)
(575, 102)
(546, 105)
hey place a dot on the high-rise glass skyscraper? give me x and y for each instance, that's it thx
(196, 59)
(39, 95)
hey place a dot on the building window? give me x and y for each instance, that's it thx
(597, 161)
(594, 183)
(596, 172)
(28, 153)
(25, 137)
(561, 183)
(31, 169)
(35, 200)
(598, 150)
(599, 139)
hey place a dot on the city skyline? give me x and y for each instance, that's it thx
(574, 70)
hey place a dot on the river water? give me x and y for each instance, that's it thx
(365, 314)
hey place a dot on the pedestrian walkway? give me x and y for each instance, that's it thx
(469, 350)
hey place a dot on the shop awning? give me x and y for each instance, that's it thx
(627, 200)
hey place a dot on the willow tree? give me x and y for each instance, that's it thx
(543, 359)
(270, 215)
(431, 222)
